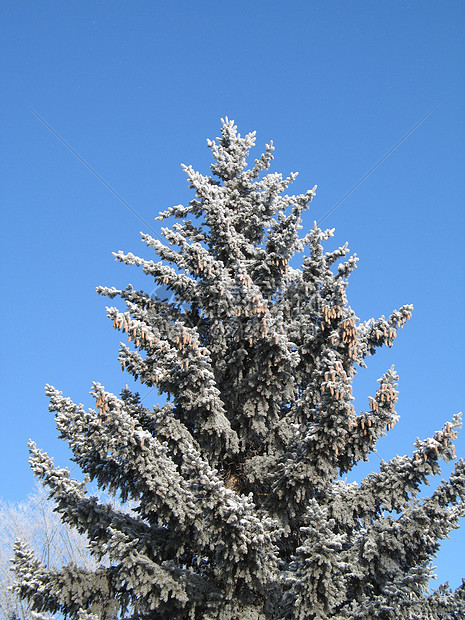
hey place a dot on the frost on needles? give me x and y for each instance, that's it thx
(240, 507)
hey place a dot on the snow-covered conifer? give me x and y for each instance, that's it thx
(241, 507)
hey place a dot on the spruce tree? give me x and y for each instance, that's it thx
(241, 507)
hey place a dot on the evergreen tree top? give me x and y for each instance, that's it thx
(241, 510)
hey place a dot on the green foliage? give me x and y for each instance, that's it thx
(241, 511)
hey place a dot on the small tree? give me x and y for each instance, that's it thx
(242, 512)
(55, 543)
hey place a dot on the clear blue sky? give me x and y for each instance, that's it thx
(137, 87)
